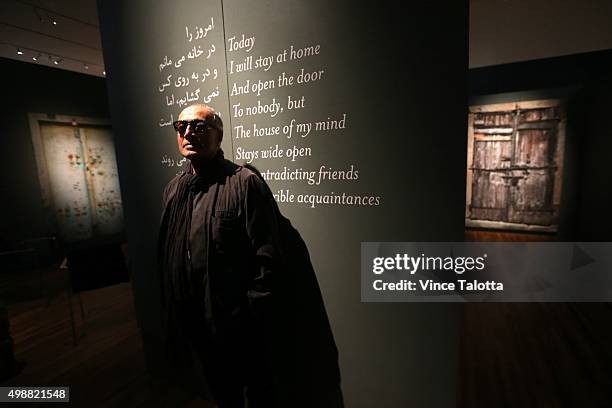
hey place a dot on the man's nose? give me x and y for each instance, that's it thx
(188, 132)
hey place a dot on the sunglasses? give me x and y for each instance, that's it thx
(198, 126)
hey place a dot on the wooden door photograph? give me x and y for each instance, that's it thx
(515, 165)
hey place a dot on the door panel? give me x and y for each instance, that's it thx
(490, 196)
(103, 180)
(536, 148)
(492, 155)
(83, 184)
(68, 184)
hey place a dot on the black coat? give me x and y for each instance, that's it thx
(260, 285)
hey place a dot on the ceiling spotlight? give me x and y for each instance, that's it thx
(57, 61)
(35, 58)
(19, 52)
(104, 73)
(53, 21)
(85, 66)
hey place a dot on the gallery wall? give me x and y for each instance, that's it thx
(593, 222)
(389, 105)
(29, 88)
(506, 31)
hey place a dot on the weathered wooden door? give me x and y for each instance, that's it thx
(515, 158)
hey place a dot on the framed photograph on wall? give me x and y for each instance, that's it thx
(515, 165)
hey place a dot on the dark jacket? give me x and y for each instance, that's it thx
(259, 275)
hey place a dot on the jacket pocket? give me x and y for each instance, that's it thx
(226, 234)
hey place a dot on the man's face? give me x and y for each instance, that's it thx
(198, 146)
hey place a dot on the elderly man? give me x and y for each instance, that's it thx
(238, 287)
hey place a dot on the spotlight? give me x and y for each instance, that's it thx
(85, 66)
(104, 73)
(19, 52)
(35, 58)
(52, 19)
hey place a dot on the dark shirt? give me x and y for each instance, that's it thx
(197, 252)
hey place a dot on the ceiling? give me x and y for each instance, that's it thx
(58, 33)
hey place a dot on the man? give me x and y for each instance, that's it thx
(238, 286)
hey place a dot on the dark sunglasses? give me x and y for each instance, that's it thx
(198, 126)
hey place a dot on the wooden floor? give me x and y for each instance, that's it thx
(535, 354)
(486, 235)
(512, 354)
(107, 366)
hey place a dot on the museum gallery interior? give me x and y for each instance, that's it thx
(472, 121)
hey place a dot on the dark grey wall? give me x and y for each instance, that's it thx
(399, 72)
(503, 31)
(29, 88)
(595, 194)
